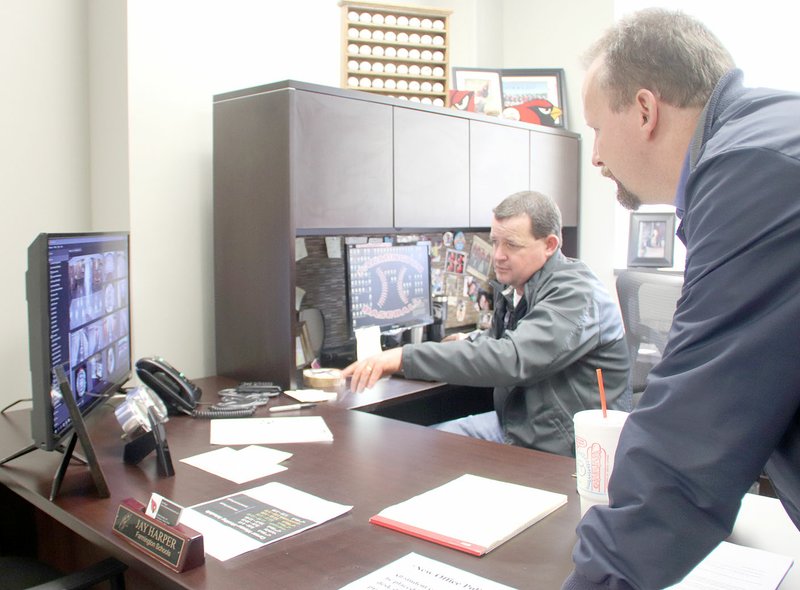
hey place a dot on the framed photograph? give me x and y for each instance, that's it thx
(462, 100)
(480, 259)
(651, 239)
(534, 96)
(485, 84)
(456, 261)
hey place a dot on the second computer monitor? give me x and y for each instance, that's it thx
(389, 286)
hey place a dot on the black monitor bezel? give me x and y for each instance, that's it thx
(394, 327)
(37, 286)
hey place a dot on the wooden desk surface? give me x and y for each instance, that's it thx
(372, 463)
(388, 392)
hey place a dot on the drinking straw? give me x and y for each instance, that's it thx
(602, 391)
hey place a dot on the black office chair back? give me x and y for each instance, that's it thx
(647, 300)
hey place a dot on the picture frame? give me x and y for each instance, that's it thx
(651, 240)
(480, 259)
(461, 100)
(485, 83)
(522, 86)
(456, 261)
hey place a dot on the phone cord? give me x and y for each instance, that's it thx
(218, 413)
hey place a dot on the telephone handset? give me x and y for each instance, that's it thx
(179, 394)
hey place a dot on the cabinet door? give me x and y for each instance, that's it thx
(555, 171)
(341, 165)
(431, 169)
(499, 165)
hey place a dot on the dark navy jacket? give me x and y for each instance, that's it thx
(724, 400)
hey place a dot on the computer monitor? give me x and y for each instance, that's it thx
(389, 286)
(78, 295)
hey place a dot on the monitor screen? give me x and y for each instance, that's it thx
(388, 286)
(78, 318)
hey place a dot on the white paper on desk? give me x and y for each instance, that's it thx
(269, 431)
(232, 525)
(240, 466)
(734, 567)
(368, 342)
(414, 571)
(311, 395)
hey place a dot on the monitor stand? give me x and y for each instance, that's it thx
(79, 432)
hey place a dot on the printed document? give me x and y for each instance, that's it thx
(734, 567)
(247, 520)
(416, 572)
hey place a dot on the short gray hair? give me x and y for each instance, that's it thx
(667, 52)
(543, 212)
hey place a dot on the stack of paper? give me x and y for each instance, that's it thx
(455, 514)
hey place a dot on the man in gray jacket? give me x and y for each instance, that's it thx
(554, 325)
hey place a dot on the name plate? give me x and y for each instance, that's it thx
(178, 547)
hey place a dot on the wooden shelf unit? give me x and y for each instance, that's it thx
(396, 51)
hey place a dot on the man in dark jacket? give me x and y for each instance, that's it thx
(673, 124)
(554, 325)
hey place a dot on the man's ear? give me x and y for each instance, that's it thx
(552, 243)
(647, 108)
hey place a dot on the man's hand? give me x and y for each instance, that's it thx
(365, 373)
(455, 337)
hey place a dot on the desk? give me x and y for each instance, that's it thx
(372, 463)
(418, 402)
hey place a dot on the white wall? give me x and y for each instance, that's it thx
(44, 158)
(556, 36)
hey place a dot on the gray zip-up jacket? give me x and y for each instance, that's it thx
(543, 370)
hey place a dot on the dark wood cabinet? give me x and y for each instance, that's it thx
(499, 165)
(341, 162)
(295, 159)
(555, 162)
(431, 170)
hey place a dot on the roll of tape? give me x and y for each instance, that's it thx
(327, 379)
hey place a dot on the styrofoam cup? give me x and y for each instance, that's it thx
(596, 439)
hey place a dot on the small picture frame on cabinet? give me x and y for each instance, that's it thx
(651, 240)
(485, 83)
(462, 100)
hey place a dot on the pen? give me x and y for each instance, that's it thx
(291, 407)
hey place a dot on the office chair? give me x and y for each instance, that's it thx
(647, 301)
(27, 573)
